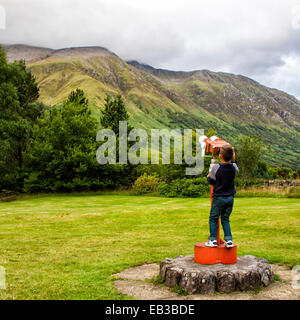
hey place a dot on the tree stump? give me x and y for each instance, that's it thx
(249, 273)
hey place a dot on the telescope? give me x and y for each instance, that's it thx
(211, 145)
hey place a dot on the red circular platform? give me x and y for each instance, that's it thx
(220, 254)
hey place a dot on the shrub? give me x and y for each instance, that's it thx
(194, 190)
(283, 173)
(146, 184)
(169, 189)
(249, 150)
(196, 187)
(245, 183)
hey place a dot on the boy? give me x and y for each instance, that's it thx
(222, 178)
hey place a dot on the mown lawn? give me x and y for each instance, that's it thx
(67, 247)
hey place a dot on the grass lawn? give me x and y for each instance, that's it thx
(67, 247)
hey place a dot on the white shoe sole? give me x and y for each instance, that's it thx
(211, 246)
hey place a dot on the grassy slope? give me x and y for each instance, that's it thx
(67, 247)
(204, 100)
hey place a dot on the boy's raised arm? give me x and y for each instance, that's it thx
(234, 162)
(236, 167)
(211, 178)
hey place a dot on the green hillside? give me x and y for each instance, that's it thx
(156, 98)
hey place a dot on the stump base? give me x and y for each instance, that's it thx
(248, 273)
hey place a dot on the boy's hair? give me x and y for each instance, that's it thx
(226, 152)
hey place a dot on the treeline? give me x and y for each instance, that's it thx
(54, 149)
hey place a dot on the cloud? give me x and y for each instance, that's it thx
(285, 76)
(257, 38)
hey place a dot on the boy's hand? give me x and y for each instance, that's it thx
(233, 157)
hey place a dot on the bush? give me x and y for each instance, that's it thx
(248, 150)
(165, 172)
(244, 183)
(194, 190)
(196, 187)
(283, 173)
(146, 184)
(169, 190)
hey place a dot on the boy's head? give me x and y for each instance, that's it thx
(226, 152)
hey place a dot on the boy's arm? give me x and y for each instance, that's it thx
(234, 163)
(211, 178)
(235, 167)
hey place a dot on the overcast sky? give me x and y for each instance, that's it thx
(256, 38)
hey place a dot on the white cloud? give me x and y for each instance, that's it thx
(2, 18)
(256, 38)
(286, 76)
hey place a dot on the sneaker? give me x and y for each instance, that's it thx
(211, 243)
(228, 244)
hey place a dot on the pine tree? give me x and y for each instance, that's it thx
(114, 111)
(18, 112)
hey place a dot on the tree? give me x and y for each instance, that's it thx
(79, 98)
(62, 152)
(18, 112)
(114, 111)
(248, 153)
(211, 132)
(61, 156)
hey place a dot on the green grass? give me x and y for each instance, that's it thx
(277, 278)
(68, 246)
(157, 280)
(180, 291)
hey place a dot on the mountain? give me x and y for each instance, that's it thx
(158, 98)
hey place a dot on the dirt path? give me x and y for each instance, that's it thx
(133, 282)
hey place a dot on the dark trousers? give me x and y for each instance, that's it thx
(221, 206)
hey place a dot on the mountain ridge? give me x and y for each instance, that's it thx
(34, 53)
(184, 75)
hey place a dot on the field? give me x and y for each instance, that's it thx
(68, 246)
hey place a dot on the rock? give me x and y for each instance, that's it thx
(9, 199)
(173, 276)
(249, 273)
(283, 183)
(225, 281)
(140, 273)
(189, 281)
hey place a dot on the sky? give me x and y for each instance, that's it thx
(256, 38)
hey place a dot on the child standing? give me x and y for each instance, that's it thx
(222, 178)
